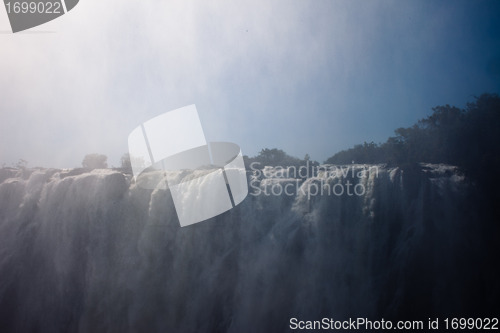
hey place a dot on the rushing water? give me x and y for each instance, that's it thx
(93, 252)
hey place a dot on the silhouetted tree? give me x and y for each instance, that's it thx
(365, 153)
(273, 157)
(95, 161)
(126, 165)
(21, 164)
(464, 137)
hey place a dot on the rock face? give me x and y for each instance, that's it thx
(93, 252)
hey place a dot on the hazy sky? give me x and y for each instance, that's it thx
(304, 76)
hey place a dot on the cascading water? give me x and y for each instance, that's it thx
(91, 252)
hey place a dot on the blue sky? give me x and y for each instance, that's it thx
(310, 77)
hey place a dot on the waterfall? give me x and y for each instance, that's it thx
(90, 251)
